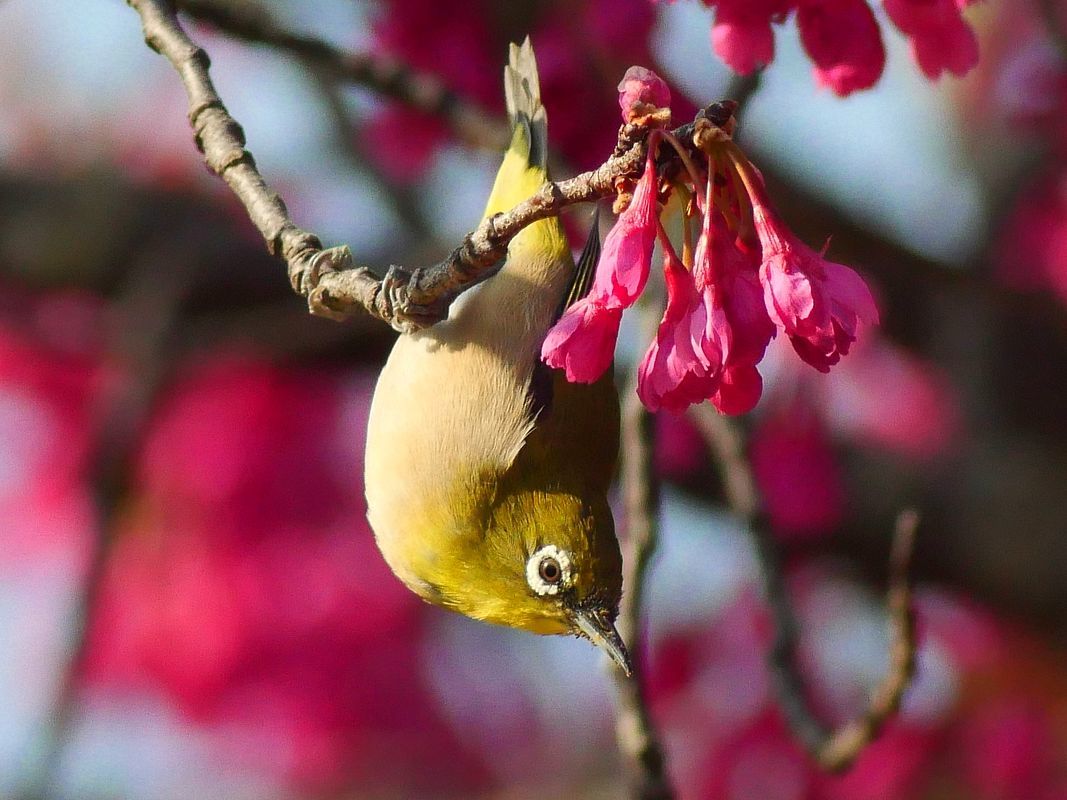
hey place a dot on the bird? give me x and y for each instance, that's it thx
(486, 472)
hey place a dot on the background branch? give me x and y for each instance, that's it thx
(251, 21)
(834, 749)
(634, 729)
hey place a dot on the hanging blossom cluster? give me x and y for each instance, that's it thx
(746, 278)
(842, 37)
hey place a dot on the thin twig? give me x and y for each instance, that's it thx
(833, 749)
(328, 278)
(635, 730)
(251, 21)
(403, 200)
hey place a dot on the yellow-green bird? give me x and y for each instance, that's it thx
(486, 472)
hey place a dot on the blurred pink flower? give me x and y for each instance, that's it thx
(883, 397)
(640, 91)
(1031, 249)
(843, 38)
(680, 448)
(1030, 87)
(971, 726)
(741, 34)
(403, 142)
(892, 766)
(797, 473)
(759, 761)
(973, 635)
(844, 42)
(245, 585)
(46, 424)
(941, 40)
(581, 49)
(1009, 749)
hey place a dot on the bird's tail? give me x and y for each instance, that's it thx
(524, 167)
(522, 92)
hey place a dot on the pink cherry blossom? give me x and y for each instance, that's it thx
(750, 327)
(582, 343)
(680, 449)
(843, 40)
(676, 372)
(941, 40)
(817, 303)
(738, 328)
(642, 87)
(626, 259)
(717, 336)
(741, 34)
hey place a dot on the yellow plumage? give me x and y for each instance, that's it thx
(487, 474)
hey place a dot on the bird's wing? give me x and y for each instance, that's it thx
(543, 380)
(586, 267)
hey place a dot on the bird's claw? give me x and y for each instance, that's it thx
(396, 305)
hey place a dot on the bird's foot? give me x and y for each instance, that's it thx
(396, 305)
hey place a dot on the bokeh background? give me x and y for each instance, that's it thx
(191, 602)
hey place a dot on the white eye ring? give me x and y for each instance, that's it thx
(534, 573)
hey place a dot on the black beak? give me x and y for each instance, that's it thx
(595, 625)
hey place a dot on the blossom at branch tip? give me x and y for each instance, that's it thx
(941, 40)
(676, 372)
(641, 91)
(626, 258)
(582, 343)
(817, 303)
(844, 42)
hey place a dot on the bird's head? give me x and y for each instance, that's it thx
(549, 563)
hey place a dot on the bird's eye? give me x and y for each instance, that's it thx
(548, 570)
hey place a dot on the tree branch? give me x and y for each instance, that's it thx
(635, 731)
(834, 750)
(328, 278)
